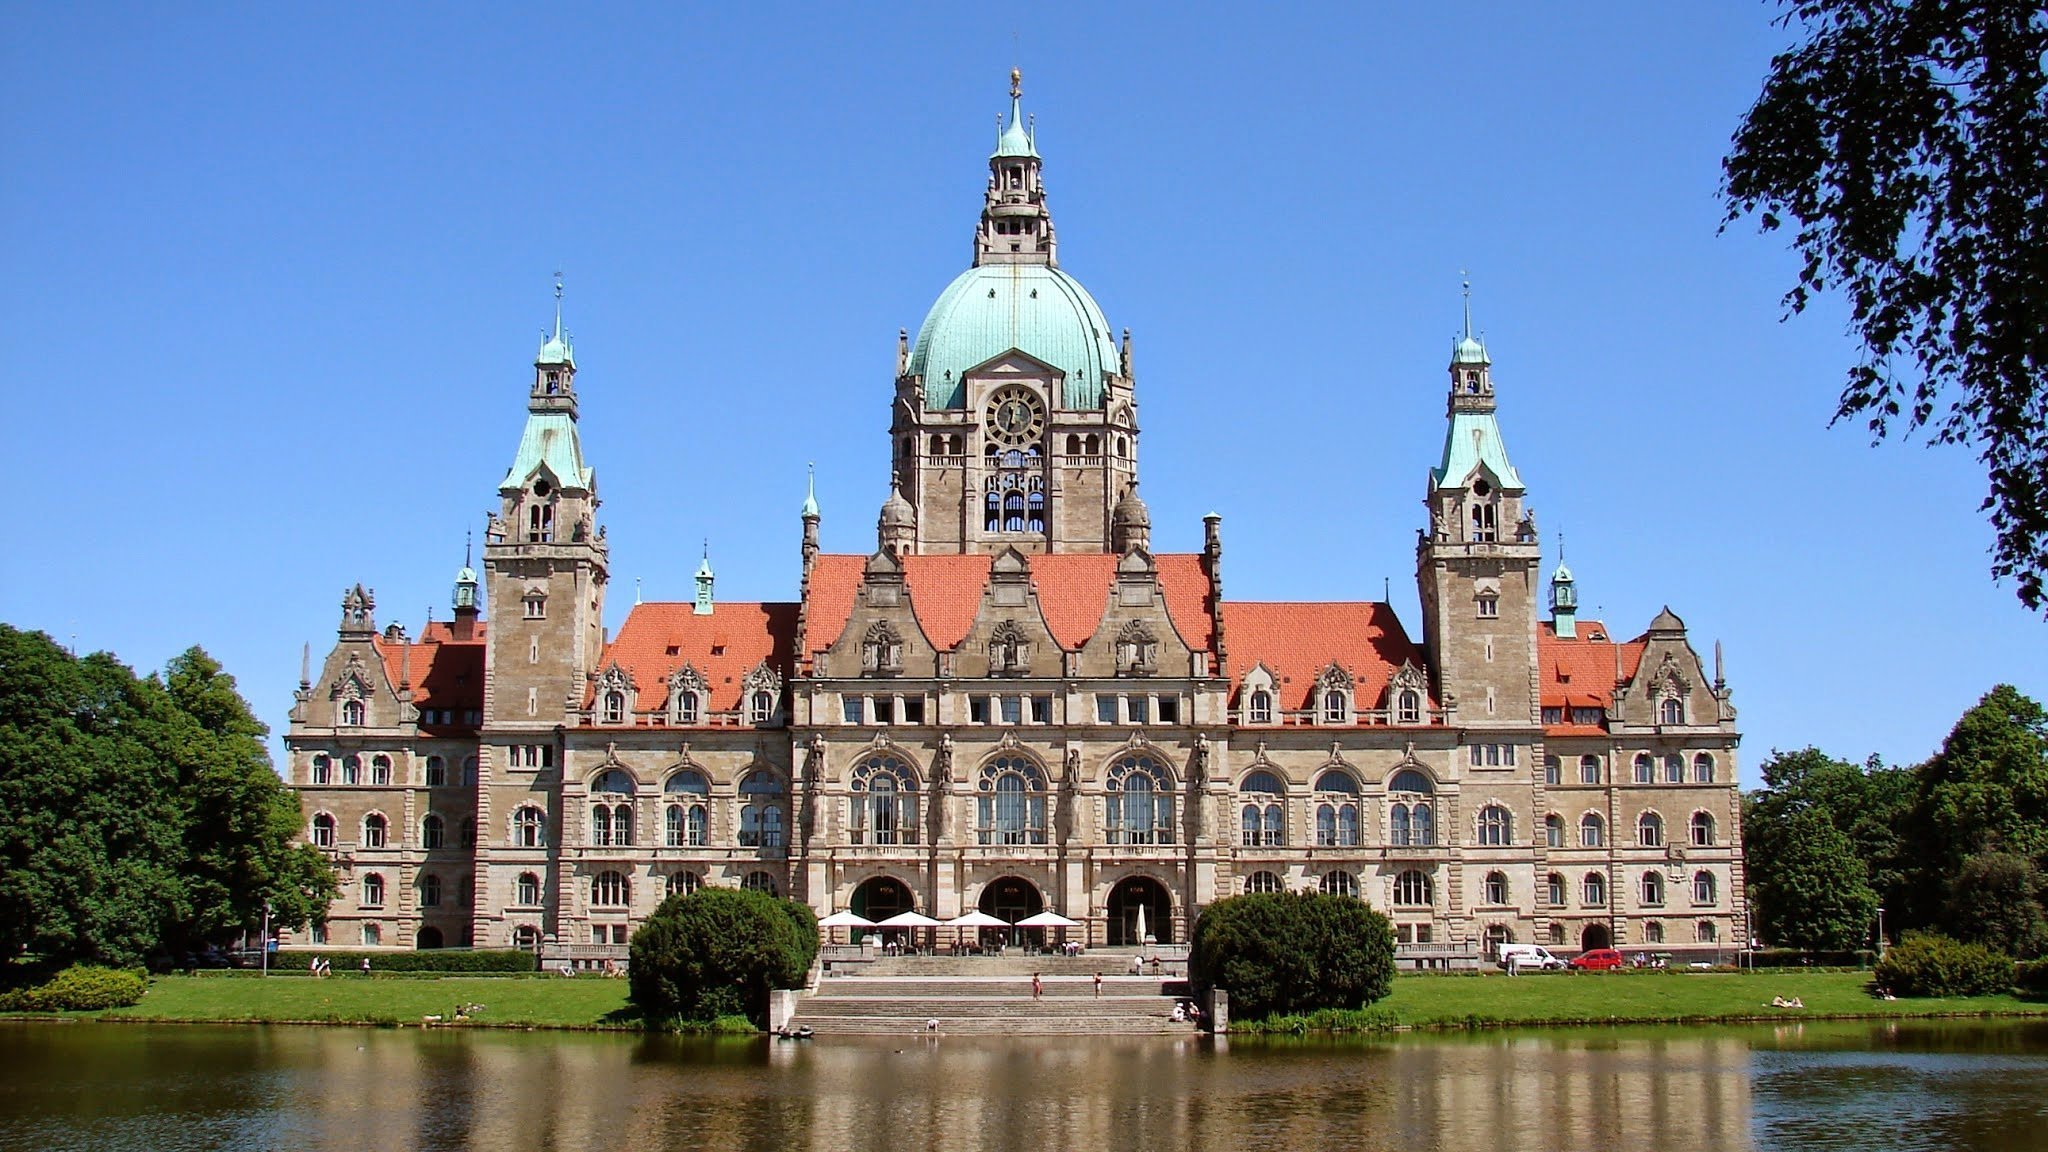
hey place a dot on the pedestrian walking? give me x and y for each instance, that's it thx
(1098, 985)
(1037, 987)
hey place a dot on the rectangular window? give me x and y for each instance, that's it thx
(1041, 709)
(977, 709)
(1493, 755)
(849, 709)
(1138, 709)
(1478, 756)
(885, 709)
(1589, 715)
(1589, 769)
(1013, 709)
(1553, 715)
(1169, 709)
(1105, 709)
(913, 710)
(599, 934)
(1553, 771)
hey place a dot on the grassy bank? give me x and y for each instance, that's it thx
(513, 1003)
(1614, 998)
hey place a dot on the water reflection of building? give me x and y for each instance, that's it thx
(1014, 702)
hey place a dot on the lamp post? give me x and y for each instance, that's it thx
(1880, 931)
(265, 945)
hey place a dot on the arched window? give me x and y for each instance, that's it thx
(375, 831)
(1496, 887)
(469, 771)
(380, 771)
(1556, 933)
(1339, 883)
(1410, 780)
(1593, 890)
(1592, 830)
(1496, 827)
(1703, 888)
(430, 890)
(1399, 832)
(526, 893)
(1553, 771)
(351, 769)
(760, 811)
(685, 706)
(614, 708)
(608, 889)
(611, 780)
(1589, 769)
(687, 820)
(1650, 830)
(759, 882)
(469, 831)
(1702, 830)
(1653, 889)
(323, 831)
(1553, 890)
(1266, 882)
(529, 828)
(1553, 831)
(1138, 802)
(373, 890)
(1336, 706)
(1705, 932)
(433, 832)
(683, 883)
(884, 801)
(1671, 711)
(1408, 707)
(352, 713)
(1337, 816)
(1653, 932)
(1422, 821)
(1702, 769)
(762, 709)
(1674, 769)
(1646, 769)
(1011, 801)
(1412, 889)
(437, 772)
(373, 935)
(1261, 707)
(1261, 820)
(323, 770)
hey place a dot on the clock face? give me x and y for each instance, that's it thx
(1016, 416)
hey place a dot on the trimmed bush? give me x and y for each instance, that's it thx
(425, 960)
(79, 988)
(1293, 953)
(1929, 964)
(718, 952)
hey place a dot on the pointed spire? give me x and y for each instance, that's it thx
(557, 347)
(810, 508)
(1468, 349)
(704, 581)
(636, 592)
(1016, 138)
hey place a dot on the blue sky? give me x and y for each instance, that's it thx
(275, 278)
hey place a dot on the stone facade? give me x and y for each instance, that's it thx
(1013, 703)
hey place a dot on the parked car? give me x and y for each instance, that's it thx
(1528, 957)
(1598, 960)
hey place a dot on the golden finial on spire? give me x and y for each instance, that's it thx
(1016, 83)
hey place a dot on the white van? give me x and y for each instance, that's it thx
(1528, 957)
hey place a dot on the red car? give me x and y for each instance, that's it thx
(1599, 959)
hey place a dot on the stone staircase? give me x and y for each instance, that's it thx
(992, 995)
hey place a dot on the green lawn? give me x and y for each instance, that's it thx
(1427, 1001)
(342, 999)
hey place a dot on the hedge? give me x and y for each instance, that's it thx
(1293, 953)
(426, 960)
(2031, 976)
(1929, 964)
(79, 988)
(717, 952)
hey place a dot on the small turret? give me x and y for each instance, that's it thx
(896, 527)
(1564, 603)
(468, 597)
(704, 582)
(810, 516)
(1130, 522)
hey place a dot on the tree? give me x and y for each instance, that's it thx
(1872, 805)
(718, 952)
(1987, 789)
(1809, 889)
(137, 815)
(1907, 141)
(1293, 952)
(1995, 900)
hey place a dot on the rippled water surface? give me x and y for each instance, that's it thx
(150, 1088)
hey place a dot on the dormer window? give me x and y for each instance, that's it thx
(762, 708)
(352, 713)
(614, 708)
(1671, 711)
(1261, 710)
(1336, 706)
(1408, 708)
(686, 708)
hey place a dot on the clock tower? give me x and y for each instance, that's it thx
(1014, 423)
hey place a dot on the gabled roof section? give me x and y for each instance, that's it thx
(1073, 593)
(660, 637)
(549, 442)
(1298, 641)
(1580, 672)
(446, 672)
(1474, 440)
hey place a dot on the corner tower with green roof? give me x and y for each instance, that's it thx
(1014, 422)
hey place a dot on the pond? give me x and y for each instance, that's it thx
(1810, 1087)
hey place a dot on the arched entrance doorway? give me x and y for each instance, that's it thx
(1595, 936)
(880, 897)
(429, 937)
(1010, 899)
(1139, 909)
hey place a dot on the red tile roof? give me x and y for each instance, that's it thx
(946, 591)
(445, 672)
(1580, 672)
(659, 638)
(1296, 641)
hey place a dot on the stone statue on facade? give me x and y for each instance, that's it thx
(1070, 796)
(1198, 779)
(814, 767)
(942, 787)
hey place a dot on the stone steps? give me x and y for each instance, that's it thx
(902, 995)
(1109, 964)
(1109, 1007)
(910, 1026)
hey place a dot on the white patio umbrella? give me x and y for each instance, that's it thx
(1048, 920)
(909, 920)
(977, 919)
(846, 919)
(1141, 924)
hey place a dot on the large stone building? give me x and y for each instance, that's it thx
(1013, 703)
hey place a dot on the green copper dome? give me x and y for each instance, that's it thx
(1034, 308)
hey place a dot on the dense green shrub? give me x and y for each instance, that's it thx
(79, 988)
(718, 952)
(1293, 952)
(1929, 964)
(425, 960)
(1994, 899)
(2031, 977)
